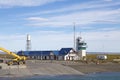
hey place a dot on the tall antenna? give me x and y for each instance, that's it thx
(80, 35)
(28, 45)
(74, 34)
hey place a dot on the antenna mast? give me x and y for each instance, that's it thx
(74, 34)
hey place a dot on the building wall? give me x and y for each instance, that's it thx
(61, 58)
(71, 56)
(82, 54)
(65, 54)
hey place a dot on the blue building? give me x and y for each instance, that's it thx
(63, 54)
(42, 55)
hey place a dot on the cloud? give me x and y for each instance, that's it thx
(49, 24)
(40, 40)
(108, 0)
(11, 37)
(108, 21)
(13, 42)
(82, 6)
(55, 40)
(36, 19)
(85, 6)
(81, 18)
(97, 14)
(103, 35)
(24, 3)
(102, 41)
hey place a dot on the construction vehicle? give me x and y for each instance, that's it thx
(19, 60)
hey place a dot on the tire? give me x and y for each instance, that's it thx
(21, 63)
(10, 63)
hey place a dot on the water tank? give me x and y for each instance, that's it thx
(28, 37)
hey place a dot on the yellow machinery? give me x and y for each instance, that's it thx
(18, 59)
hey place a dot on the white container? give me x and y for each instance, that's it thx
(102, 57)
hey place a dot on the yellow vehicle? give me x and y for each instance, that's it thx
(18, 59)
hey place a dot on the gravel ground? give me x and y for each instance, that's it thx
(92, 68)
(37, 67)
(34, 68)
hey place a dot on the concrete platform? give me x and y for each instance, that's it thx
(5, 66)
(33, 68)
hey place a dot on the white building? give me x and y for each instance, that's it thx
(67, 54)
(81, 48)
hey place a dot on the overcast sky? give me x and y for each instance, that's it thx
(50, 24)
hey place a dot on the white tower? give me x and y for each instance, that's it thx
(81, 47)
(28, 45)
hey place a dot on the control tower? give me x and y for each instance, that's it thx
(28, 43)
(81, 48)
